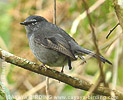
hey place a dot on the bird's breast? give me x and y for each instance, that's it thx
(47, 56)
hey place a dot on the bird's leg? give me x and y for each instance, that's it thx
(43, 65)
(69, 64)
(62, 70)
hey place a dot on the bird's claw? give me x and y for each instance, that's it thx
(43, 65)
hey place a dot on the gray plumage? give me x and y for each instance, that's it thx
(51, 45)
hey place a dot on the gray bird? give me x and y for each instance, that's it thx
(51, 45)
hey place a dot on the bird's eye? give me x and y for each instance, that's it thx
(34, 23)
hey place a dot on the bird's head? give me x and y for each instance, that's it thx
(32, 22)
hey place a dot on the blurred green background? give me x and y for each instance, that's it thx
(13, 39)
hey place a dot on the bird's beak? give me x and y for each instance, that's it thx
(23, 23)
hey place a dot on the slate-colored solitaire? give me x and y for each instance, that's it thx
(51, 45)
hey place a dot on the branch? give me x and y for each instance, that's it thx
(54, 12)
(118, 5)
(74, 82)
(83, 15)
(94, 41)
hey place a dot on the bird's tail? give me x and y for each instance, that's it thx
(89, 52)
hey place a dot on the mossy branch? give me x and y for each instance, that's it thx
(74, 82)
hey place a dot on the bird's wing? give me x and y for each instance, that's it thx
(55, 42)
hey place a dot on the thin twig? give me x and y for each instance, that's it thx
(112, 30)
(54, 13)
(54, 22)
(94, 40)
(35, 89)
(116, 63)
(115, 68)
(93, 88)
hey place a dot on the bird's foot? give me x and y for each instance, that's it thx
(43, 65)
